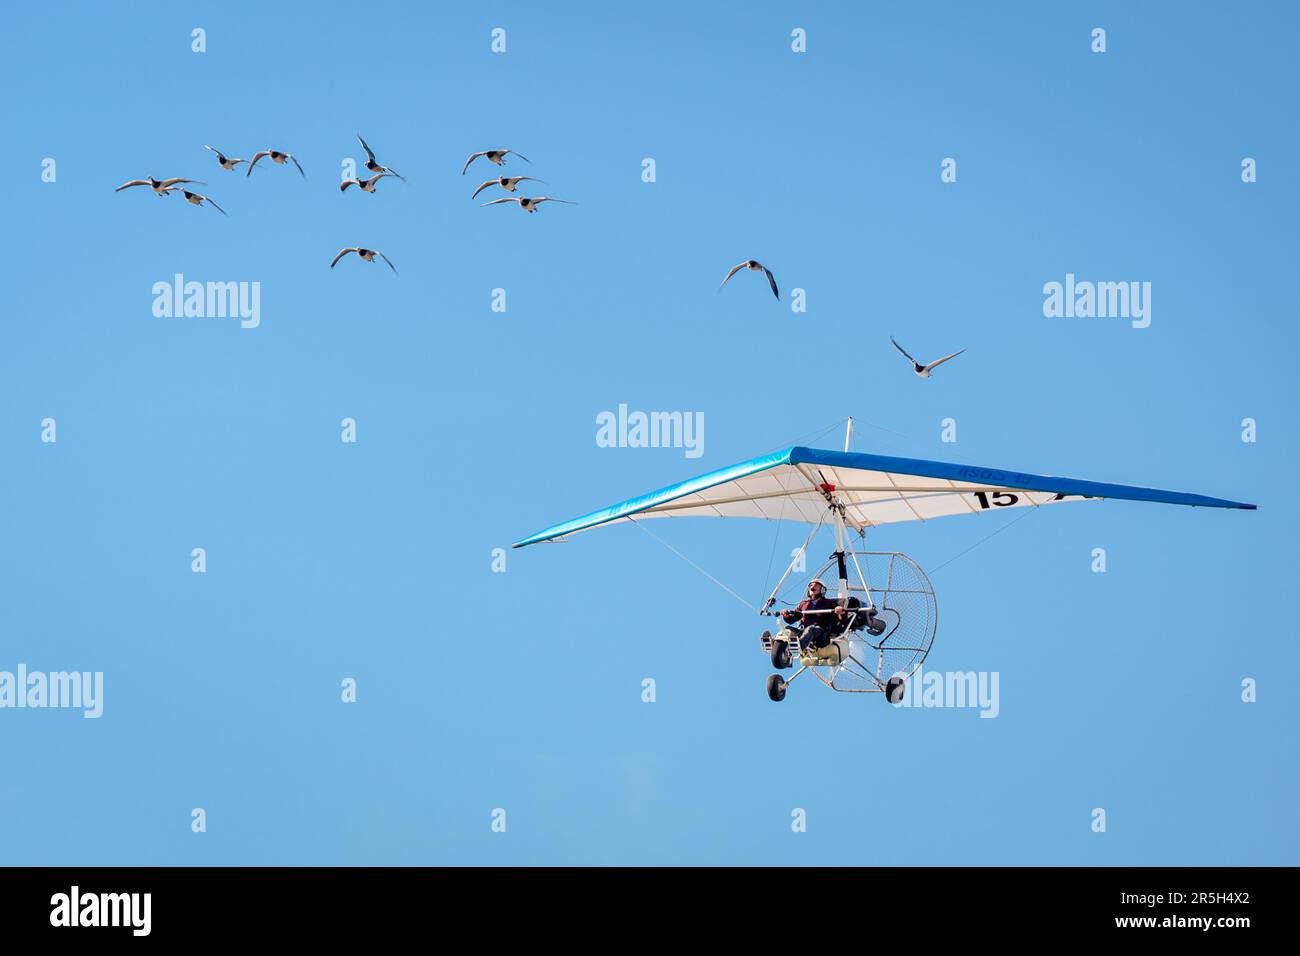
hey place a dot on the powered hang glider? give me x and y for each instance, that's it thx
(884, 617)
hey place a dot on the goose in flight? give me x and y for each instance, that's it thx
(224, 161)
(497, 156)
(195, 199)
(753, 265)
(366, 185)
(160, 186)
(924, 370)
(276, 157)
(374, 166)
(367, 254)
(508, 183)
(526, 204)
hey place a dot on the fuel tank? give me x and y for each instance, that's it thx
(832, 655)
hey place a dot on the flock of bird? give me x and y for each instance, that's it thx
(509, 183)
(922, 370)
(377, 171)
(372, 166)
(163, 187)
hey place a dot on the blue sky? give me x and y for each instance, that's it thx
(522, 690)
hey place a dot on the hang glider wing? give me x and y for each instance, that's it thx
(793, 485)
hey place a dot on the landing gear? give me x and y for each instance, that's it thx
(781, 655)
(893, 690)
(776, 687)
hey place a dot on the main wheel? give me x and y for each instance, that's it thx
(780, 655)
(894, 690)
(776, 687)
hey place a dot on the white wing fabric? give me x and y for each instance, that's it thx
(794, 485)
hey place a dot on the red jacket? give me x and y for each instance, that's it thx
(820, 604)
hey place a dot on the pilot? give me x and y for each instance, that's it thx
(817, 628)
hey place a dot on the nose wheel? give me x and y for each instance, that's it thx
(776, 687)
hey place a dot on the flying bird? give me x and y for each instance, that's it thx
(160, 186)
(372, 165)
(497, 156)
(924, 370)
(276, 157)
(367, 254)
(526, 204)
(508, 183)
(224, 161)
(366, 185)
(195, 199)
(753, 265)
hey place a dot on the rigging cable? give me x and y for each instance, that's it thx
(691, 563)
(776, 537)
(1019, 518)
